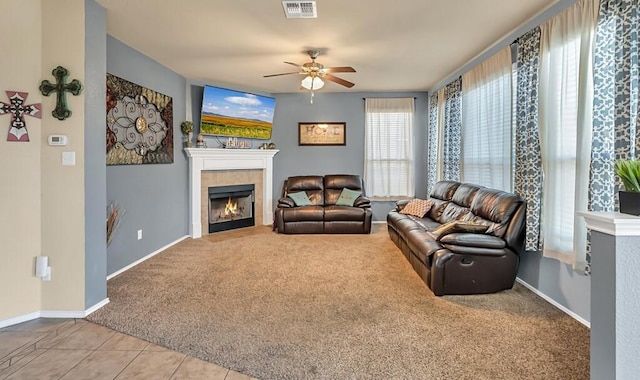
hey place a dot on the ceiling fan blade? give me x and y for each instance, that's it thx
(337, 80)
(294, 64)
(276, 75)
(343, 69)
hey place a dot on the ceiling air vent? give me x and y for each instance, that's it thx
(300, 9)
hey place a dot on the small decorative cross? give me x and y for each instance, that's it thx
(17, 109)
(61, 111)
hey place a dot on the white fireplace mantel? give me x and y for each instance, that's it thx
(203, 159)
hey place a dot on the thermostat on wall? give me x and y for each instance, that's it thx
(58, 140)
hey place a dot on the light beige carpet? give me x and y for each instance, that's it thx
(336, 307)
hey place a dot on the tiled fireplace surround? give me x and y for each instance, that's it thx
(223, 167)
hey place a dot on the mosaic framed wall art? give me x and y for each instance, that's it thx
(139, 124)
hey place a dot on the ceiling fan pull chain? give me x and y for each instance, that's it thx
(312, 92)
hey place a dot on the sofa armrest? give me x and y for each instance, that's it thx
(286, 202)
(362, 201)
(401, 203)
(473, 240)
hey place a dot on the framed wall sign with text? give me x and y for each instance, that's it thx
(322, 133)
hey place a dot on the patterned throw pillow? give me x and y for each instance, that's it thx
(417, 207)
(347, 197)
(300, 198)
(458, 226)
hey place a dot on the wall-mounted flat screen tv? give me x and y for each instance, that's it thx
(236, 114)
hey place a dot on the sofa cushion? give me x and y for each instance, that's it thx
(464, 194)
(404, 223)
(313, 185)
(444, 190)
(437, 209)
(300, 198)
(417, 207)
(494, 206)
(343, 213)
(348, 197)
(453, 212)
(304, 213)
(334, 184)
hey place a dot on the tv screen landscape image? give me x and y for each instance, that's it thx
(236, 114)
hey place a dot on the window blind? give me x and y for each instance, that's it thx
(389, 157)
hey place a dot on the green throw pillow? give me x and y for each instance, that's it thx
(300, 198)
(347, 197)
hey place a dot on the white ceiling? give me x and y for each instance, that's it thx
(401, 45)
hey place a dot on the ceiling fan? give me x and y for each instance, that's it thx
(315, 73)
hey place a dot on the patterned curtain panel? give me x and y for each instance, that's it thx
(432, 143)
(616, 71)
(528, 171)
(451, 141)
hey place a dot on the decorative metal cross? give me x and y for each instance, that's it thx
(61, 111)
(17, 109)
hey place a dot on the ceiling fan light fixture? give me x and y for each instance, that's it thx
(312, 83)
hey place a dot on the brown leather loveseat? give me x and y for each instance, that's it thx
(445, 246)
(324, 209)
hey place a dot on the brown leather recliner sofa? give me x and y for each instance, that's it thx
(323, 216)
(463, 262)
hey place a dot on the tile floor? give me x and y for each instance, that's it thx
(75, 349)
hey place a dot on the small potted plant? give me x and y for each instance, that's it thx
(187, 131)
(629, 173)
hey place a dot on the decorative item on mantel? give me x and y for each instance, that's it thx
(200, 143)
(187, 132)
(629, 173)
(61, 111)
(234, 143)
(17, 109)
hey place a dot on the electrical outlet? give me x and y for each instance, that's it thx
(139, 234)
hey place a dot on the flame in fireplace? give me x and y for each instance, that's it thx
(231, 208)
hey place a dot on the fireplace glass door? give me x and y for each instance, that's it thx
(231, 207)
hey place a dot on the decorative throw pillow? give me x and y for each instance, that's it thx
(417, 207)
(458, 226)
(347, 197)
(300, 198)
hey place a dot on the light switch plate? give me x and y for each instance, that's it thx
(68, 158)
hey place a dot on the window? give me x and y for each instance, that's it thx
(389, 158)
(487, 133)
(566, 95)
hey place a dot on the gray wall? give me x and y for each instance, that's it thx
(348, 107)
(154, 196)
(558, 281)
(95, 171)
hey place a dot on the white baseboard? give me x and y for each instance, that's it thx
(379, 222)
(53, 314)
(19, 319)
(97, 306)
(147, 257)
(554, 303)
